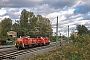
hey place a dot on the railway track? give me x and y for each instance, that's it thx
(4, 47)
(15, 54)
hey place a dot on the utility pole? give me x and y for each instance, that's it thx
(60, 38)
(57, 32)
(68, 33)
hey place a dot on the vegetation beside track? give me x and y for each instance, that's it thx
(79, 49)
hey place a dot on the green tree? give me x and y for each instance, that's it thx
(89, 32)
(45, 28)
(0, 29)
(24, 21)
(24, 18)
(6, 25)
(82, 29)
(16, 27)
(32, 25)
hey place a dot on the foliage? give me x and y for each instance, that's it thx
(0, 29)
(82, 38)
(64, 52)
(6, 25)
(53, 38)
(28, 24)
(24, 19)
(32, 25)
(79, 49)
(72, 37)
(82, 29)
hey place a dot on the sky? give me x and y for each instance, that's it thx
(70, 12)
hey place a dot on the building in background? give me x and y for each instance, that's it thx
(12, 33)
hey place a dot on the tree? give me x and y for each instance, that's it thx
(24, 19)
(0, 29)
(6, 25)
(32, 25)
(82, 29)
(44, 25)
(16, 27)
(89, 32)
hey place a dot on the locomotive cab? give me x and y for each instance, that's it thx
(25, 42)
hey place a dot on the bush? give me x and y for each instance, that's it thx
(85, 38)
(53, 38)
(79, 49)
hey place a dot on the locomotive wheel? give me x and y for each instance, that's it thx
(30, 46)
(19, 47)
(26, 46)
(36, 44)
(48, 43)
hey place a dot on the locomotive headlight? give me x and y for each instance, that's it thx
(49, 40)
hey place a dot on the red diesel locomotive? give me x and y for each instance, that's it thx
(26, 42)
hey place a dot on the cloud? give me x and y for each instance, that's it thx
(2, 11)
(32, 3)
(69, 12)
(62, 19)
(13, 13)
(83, 7)
(2, 16)
(67, 17)
(86, 16)
(19, 3)
(59, 4)
(43, 9)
